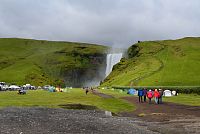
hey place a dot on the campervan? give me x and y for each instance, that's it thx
(3, 86)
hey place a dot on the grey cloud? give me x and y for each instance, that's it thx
(108, 22)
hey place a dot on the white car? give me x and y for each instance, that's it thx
(46, 87)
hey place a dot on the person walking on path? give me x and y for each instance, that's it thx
(140, 94)
(145, 94)
(86, 91)
(160, 96)
(150, 95)
(156, 95)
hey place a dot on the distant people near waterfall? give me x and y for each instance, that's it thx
(150, 95)
(86, 90)
(145, 94)
(92, 89)
(140, 94)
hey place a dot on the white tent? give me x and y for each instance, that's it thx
(167, 93)
(174, 93)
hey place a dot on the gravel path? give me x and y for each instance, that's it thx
(58, 121)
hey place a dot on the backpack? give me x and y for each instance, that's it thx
(149, 94)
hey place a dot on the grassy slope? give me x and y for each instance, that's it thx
(24, 60)
(160, 63)
(52, 100)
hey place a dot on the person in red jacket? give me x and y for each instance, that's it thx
(156, 95)
(149, 95)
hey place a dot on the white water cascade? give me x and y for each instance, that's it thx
(111, 60)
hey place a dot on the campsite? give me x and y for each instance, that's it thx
(175, 117)
(99, 67)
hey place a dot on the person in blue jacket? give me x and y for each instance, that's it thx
(140, 94)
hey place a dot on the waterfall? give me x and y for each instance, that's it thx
(111, 60)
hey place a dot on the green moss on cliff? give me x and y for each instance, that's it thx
(42, 62)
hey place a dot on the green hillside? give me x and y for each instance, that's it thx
(42, 62)
(159, 63)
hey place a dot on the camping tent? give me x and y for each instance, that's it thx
(167, 93)
(174, 93)
(131, 91)
(52, 89)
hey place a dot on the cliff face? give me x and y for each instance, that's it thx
(49, 62)
(78, 67)
(90, 72)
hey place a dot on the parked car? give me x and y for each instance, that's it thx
(13, 87)
(46, 87)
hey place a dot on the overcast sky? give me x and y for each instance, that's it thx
(107, 22)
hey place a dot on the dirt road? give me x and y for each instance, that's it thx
(166, 117)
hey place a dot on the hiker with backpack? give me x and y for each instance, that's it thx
(150, 95)
(140, 94)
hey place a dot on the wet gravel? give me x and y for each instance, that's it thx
(37, 120)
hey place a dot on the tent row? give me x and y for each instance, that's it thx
(166, 93)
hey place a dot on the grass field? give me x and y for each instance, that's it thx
(114, 92)
(41, 98)
(53, 100)
(186, 99)
(160, 63)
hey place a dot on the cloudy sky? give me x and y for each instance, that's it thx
(108, 22)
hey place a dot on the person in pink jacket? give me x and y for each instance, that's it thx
(149, 95)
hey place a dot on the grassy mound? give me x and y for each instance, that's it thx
(42, 62)
(159, 63)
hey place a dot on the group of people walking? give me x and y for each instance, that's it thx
(150, 94)
(87, 89)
